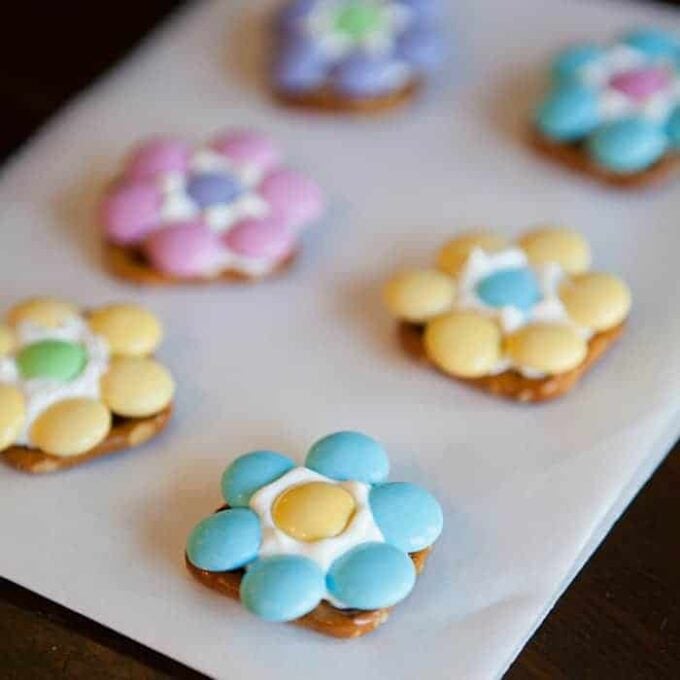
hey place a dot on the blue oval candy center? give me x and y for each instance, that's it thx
(209, 189)
(510, 288)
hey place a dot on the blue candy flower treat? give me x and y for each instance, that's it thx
(331, 544)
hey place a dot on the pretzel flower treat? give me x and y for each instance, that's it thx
(76, 385)
(613, 112)
(355, 55)
(227, 210)
(522, 320)
(331, 545)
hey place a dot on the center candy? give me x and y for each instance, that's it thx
(510, 288)
(314, 511)
(638, 84)
(358, 19)
(214, 188)
(52, 360)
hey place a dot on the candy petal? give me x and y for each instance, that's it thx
(301, 66)
(251, 149)
(130, 211)
(250, 472)
(546, 347)
(185, 250)
(570, 112)
(673, 128)
(346, 456)
(421, 47)
(568, 63)
(628, 146)
(136, 387)
(7, 340)
(282, 588)
(409, 517)
(128, 329)
(454, 254)
(364, 75)
(12, 415)
(157, 156)
(419, 294)
(71, 427)
(371, 576)
(225, 541)
(46, 312)
(596, 300)
(654, 42)
(268, 238)
(565, 247)
(464, 344)
(293, 197)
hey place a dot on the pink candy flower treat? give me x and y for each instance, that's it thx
(201, 212)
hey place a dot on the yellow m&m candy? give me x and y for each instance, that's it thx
(130, 330)
(71, 427)
(464, 344)
(12, 415)
(419, 294)
(47, 312)
(7, 341)
(454, 254)
(136, 387)
(596, 300)
(313, 511)
(548, 348)
(565, 247)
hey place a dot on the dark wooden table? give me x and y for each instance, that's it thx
(620, 618)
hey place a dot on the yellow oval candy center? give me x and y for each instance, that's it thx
(311, 512)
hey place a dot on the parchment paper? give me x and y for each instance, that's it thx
(528, 492)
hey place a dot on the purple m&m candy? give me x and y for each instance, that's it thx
(214, 188)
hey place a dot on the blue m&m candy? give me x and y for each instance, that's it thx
(510, 287)
(214, 188)
(371, 576)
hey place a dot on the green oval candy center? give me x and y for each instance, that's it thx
(357, 19)
(52, 360)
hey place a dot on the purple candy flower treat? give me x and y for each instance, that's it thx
(223, 210)
(355, 54)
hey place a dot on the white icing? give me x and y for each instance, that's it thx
(39, 393)
(615, 105)
(549, 309)
(361, 529)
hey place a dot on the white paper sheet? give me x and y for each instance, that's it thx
(528, 492)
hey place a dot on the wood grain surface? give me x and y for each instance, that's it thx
(620, 619)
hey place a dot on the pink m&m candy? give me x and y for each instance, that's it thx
(641, 83)
(158, 155)
(130, 211)
(187, 249)
(293, 197)
(249, 148)
(269, 238)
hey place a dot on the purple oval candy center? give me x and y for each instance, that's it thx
(214, 188)
(641, 83)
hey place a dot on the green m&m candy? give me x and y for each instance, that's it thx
(52, 360)
(358, 18)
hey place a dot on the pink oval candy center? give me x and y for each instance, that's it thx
(641, 83)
